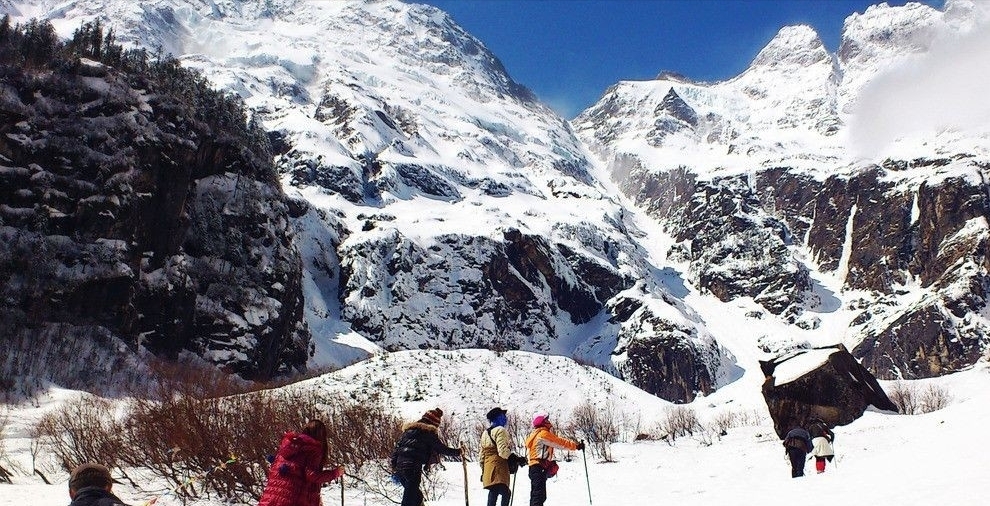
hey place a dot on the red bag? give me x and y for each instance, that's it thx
(550, 466)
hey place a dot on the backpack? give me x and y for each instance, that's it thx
(796, 442)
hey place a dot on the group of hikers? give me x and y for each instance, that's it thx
(816, 439)
(299, 468)
(420, 445)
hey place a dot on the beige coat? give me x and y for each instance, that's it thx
(494, 456)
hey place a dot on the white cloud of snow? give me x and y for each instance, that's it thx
(941, 90)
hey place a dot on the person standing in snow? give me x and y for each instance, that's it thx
(417, 448)
(539, 448)
(797, 444)
(90, 484)
(298, 471)
(496, 457)
(821, 440)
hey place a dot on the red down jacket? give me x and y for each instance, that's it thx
(295, 477)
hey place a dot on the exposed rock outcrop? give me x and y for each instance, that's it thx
(134, 220)
(826, 383)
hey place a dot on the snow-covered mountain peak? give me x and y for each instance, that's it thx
(793, 45)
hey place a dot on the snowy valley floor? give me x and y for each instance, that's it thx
(882, 459)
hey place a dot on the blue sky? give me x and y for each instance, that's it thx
(569, 51)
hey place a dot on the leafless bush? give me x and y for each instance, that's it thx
(934, 398)
(461, 431)
(722, 421)
(216, 447)
(5, 474)
(83, 430)
(910, 401)
(902, 395)
(678, 421)
(599, 427)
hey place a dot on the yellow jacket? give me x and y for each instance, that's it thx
(541, 442)
(493, 455)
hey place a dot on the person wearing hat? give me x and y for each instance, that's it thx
(418, 447)
(90, 484)
(539, 448)
(496, 457)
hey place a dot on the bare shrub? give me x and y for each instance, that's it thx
(902, 395)
(223, 443)
(82, 430)
(934, 398)
(723, 421)
(460, 431)
(216, 447)
(599, 427)
(5, 474)
(678, 421)
(910, 401)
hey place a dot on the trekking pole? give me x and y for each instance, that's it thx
(341, 490)
(587, 480)
(464, 465)
(512, 494)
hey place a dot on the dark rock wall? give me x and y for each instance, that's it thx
(468, 291)
(123, 212)
(735, 233)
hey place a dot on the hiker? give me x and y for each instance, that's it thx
(797, 444)
(821, 441)
(90, 485)
(539, 448)
(496, 457)
(298, 471)
(418, 448)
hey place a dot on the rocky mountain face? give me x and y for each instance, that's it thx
(434, 203)
(138, 211)
(439, 204)
(904, 236)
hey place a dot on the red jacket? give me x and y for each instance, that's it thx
(295, 477)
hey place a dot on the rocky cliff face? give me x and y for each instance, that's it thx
(134, 221)
(445, 206)
(764, 214)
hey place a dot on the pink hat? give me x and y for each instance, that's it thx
(540, 419)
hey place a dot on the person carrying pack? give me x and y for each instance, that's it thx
(797, 444)
(496, 457)
(539, 448)
(821, 440)
(418, 447)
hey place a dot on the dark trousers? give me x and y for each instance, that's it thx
(538, 486)
(410, 478)
(797, 461)
(499, 489)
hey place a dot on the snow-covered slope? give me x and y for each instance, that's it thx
(880, 458)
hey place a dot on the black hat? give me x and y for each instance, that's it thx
(494, 413)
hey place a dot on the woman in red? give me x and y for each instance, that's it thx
(298, 471)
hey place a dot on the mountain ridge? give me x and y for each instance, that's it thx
(439, 205)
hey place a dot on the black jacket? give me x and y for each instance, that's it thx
(95, 496)
(418, 445)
